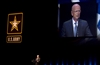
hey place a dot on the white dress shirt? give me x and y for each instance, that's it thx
(73, 23)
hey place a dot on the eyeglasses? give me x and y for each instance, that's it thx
(77, 11)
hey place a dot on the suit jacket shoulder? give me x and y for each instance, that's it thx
(67, 29)
(82, 21)
(67, 22)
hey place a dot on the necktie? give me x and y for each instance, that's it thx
(75, 32)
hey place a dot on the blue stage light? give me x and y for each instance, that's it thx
(62, 63)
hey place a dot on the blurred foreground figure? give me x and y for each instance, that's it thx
(36, 61)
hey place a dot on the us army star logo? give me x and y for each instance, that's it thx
(14, 24)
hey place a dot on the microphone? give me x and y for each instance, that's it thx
(77, 30)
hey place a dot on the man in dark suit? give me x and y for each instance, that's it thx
(75, 27)
(36, 61)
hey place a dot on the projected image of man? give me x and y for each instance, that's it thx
(75, 27)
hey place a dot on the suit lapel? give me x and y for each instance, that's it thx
(79, 25)
(71, 28)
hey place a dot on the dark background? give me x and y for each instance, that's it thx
(40, 37)
(88, 13)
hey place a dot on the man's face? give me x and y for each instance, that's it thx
(76, 11)
(37, 56)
